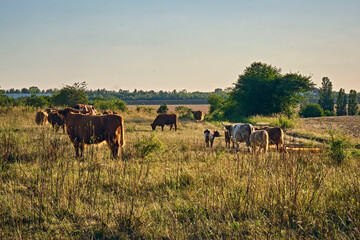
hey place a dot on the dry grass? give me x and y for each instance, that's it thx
(177, 190)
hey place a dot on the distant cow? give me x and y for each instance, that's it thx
(198, 115)
(55, 120)
(259, 139)
(41, 118)
(165, 119)
(276, 136)
(240, 133)
(86, 109)
(84, 129)
(109, 112)
(209, 136)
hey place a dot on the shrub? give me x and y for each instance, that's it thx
(337, 148)
(163, 108)
(5, 100)
(148, 145)
(311, 110)
(283, 122)
(145, 109)
(329, 113)
(110, 104)
(184, 112)
(217, 115)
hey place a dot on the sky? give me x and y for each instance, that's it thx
(165, 44)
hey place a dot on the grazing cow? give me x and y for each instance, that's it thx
(109, 112)
(210, 136)
(41, 118)
(240, 133)
(165, 119)
(259, 139)
(276, 136)
(84, 129)
(198, 115)
(86, 109)
(55, 120)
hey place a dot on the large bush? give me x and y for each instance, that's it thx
(162, 109)
(110, 105)
(71, 95)
(311, 110)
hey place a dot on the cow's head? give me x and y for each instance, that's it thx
(153, 126)
(65, 112)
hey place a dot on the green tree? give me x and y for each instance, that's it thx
(163, 108)
(262, 89)
(71, 95)
(215, 102)
(37, 101)
(353, 107)
(311, 110)
(341, 103)
(34, 90)
(326, 100)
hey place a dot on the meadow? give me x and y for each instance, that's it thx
(168, 185)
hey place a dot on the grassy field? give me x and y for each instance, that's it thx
(167, 185)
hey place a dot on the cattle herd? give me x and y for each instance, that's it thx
(84, 126)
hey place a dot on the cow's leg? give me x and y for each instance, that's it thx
(175, 127)
(171, 126)
(162, 127)
(82, 146)
(76, 146)
(56, 127)
(211, 142)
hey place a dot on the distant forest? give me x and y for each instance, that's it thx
(131, 97)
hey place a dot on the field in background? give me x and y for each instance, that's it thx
(168, 185)
(203, 107)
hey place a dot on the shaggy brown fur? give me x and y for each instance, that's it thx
(55, 120)
(86, 109)
(84, 129)
(198, 115)
(276, 136)
(259, 138)
(41, 118)
(109, 112)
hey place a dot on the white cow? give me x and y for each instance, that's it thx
(240, 133)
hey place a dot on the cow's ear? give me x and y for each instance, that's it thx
(216, 134)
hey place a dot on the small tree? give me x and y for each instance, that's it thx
(353, 107)
(163, 109)
(341, 103)
(326, 100)
(71, 95)
(311, 110)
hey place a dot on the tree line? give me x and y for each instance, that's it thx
(261, 89)
(345, 104)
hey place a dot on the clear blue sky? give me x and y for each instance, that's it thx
(192, 45)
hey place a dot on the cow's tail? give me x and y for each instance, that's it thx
(122, 137)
